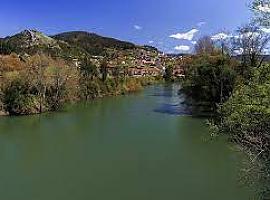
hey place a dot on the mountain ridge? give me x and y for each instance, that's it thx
(74, 44)
(93, 43)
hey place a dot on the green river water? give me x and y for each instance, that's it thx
(136, 147)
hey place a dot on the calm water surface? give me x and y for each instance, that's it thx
(137, 147)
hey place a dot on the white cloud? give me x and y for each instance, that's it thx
(182, 48)
(265, 30)
(250, 35)
(266, 51)
(200, 24)
(238, 51)
(264, 8)
(137, 27)
(185, 36)
(151, 42)
(193, 42)
(221, 36)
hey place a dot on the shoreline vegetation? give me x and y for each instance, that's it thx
(43, 84)
(237, 93)
(231, 77)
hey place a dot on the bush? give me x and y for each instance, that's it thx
(40, 83)
(89, 89)
(246, 118)
(246, 115)
(19, 100)
(2, 109)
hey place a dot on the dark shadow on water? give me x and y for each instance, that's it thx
(174, 102)
(180, 110)
(161, 95)
(183, 109)
(168, 90)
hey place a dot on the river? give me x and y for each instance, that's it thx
(138, 147)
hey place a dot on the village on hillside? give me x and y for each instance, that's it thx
(144, 62)
(140, 61)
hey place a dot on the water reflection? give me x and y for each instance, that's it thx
(172, 103)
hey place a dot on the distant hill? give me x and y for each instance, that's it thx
(31, 38)
(93, 43)
(75, 44)
(32, 41)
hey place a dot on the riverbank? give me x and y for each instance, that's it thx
(18, 102)
(41, 83)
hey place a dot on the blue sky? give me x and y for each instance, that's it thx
(140, 21)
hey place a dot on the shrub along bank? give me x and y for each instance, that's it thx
(43, 84)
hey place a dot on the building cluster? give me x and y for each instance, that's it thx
(179, 64)
(142, 62)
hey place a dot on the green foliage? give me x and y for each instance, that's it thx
(32, 42)
(5, 48)
(43, 84)
(246, 115)
(88, 69)
(62, 87)
(19, 99)
(88, 87)
(2, 109)
(210, 80)
(40, 83)
(92, 43)
(104, 70)
(168, 73)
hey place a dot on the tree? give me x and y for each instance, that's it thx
(37, 72)
(169, 73)
(205, 45)
(261, 10)
(104, 70)
(5, 48)
(245, 117)
(62, 84)
(19, 99)
(88, 72)
(209, 80)
(222, 42)
(88, 69)
(251, 44)
(211, 77)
